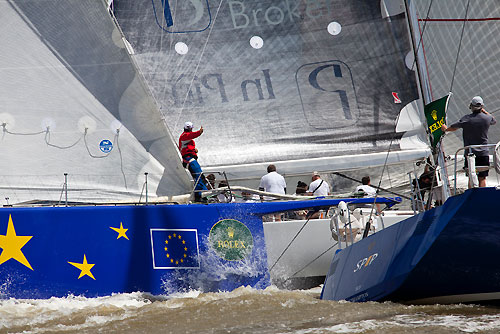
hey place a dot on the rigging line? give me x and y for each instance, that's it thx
(47, 141)
(317, 257)
(61, 194)
(198, 65)
(462, 20)
(117, 136)
(142, 191)
(365, 234)
(422, 35)
(459, 46)
(88, 149)
(22, 133)
(290, 243)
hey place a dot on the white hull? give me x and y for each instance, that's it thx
(310, 253)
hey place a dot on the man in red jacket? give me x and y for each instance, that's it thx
(189, 154)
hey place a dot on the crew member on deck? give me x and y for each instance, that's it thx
(272, 182)
(189, 154)
(318, 187)
(475, 132)
(366, 189)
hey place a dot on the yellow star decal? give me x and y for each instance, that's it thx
(84, 267)
(121, 231)
(12, 244)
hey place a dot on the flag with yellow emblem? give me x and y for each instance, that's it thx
(435, 113)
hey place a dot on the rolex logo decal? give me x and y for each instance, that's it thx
(231, 239)
(434, 115)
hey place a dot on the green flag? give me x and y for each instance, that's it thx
(435, 113)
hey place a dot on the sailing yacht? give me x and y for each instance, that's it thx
(94, 93)
(440, 255)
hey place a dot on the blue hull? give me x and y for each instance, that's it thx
(159, 249)
(447, 255)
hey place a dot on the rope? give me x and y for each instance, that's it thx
(142, 191)
(47, 141)
(367, 227)
(459, 46)
(21, 133)
(290, 243)
(317, 257)
(88, 149)
(121, 157)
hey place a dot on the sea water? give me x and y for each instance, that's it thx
(245, 310)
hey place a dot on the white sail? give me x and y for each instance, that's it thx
(72, 102)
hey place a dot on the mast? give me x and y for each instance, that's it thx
(437, 153)
(415, 53)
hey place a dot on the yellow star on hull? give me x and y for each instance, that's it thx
(11, 245)
(84, 267)
(121, 231)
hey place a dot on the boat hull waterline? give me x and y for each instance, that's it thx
(159, 249)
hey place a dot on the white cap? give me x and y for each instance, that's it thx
(315, 173)
(188, 125)
(477, 101)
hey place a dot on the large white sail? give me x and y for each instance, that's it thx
(72, 102)
(291, 82)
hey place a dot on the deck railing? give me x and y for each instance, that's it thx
(472, 163)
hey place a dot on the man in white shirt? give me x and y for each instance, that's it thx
(367, 190)
(273, 182)
(318, 187)
(366, 187)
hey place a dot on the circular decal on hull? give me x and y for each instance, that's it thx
(231, 239)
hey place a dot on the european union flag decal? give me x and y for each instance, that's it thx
(175, 248)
